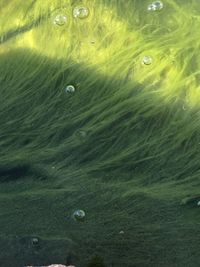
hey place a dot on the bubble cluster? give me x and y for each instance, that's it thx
(147, 60)
(70, 89)
(79, 215)
(60, 19)
(155, 6)
(80, 12)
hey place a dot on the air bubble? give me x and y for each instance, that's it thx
(60, 19)
(79, 215)
(70, 89)
(81, 12)
(155, 6)
(35, 241)
(147, 60)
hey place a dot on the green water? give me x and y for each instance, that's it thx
(121, 144)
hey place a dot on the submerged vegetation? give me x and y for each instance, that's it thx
(99, 112)
(96, 261)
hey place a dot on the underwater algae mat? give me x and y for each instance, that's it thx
(122, 143)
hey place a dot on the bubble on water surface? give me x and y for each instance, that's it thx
(59, 18)
(155, 6)
(80, 12)
(70, 89)
(147, 60)
(79, 215)
(35, 241)
(198, 203)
